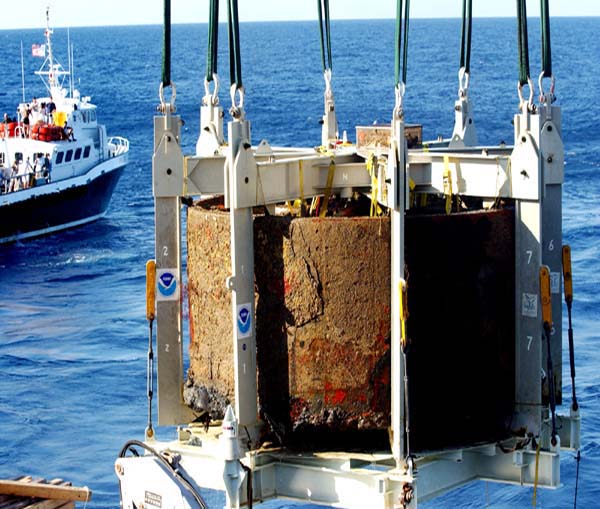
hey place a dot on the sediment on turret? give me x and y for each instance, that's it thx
(322, 297)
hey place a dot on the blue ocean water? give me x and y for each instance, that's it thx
(73, 335)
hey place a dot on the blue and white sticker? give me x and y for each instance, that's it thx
(243, 320)
(529, 305)
(167, 284)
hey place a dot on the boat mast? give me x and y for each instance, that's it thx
(22, 73)
(53, 71)
(48, 33)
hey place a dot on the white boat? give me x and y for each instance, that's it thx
(59, 167)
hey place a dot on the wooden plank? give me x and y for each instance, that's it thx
(41, 490)
(51, 504)
(36, 503)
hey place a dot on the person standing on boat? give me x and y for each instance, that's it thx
(22, 174)
(46, 168)
(26, 121)
(14, 178)
(29, 174)
(68, 132)
(4, 179)
(50, 108)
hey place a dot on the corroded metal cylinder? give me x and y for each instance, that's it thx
(322, 297)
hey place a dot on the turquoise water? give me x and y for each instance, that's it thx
(73, 336)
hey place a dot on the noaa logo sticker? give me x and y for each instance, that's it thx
(168, 286)
(244, 320)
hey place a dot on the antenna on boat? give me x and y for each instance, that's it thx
(48, 33)
(51, 70)
(72, 71)
(69, 61)
(22, 73)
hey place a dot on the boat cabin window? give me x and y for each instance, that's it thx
(18, 156)
(78, 154)
(86, 151)
(59, 157)
(92, 115)
(69, 156)
(2, 158)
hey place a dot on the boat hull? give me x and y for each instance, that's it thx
(66, 205)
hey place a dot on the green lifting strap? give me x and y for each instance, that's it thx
(213, 40)
(166, 63)
(465, 45)
(523, 43)
(325, 30)
(401, 44)
(546, 50)
(235, 60)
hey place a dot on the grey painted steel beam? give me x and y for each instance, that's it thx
(167, 177)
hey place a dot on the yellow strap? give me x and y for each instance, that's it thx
(299, 204)
(150, 289)
(545, 294)
(567, 274)
(372, 168)
(301, 177)
(448, 184)
(402, 292)
(537, 468)
(330, 175)
(313, 205)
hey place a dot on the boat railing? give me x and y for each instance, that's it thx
(117, 145)
(15, 183)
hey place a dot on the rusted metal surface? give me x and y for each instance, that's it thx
(376, 139)
(323, 325)
(460, 272)
(322, 320)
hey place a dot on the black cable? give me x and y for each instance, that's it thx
(405, 44)
(465, 43)
(235, 59)
(551, 393)
(398, 41)
(325, 32)
(578, 459)
(574, 404)
(170, 468)
(150, 379)
(523, 43)
(249, 488)
(546, 47)
(166, 63)
(213, 40)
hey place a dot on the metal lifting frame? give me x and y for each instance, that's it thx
(531, 174)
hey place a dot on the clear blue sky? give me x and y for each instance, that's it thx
(30, 13)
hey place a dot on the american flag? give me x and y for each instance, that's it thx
(38, 50)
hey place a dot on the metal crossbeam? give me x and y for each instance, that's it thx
(357, 480)
(486, 172)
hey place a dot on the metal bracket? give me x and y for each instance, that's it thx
(167, 161)
(464, 133)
